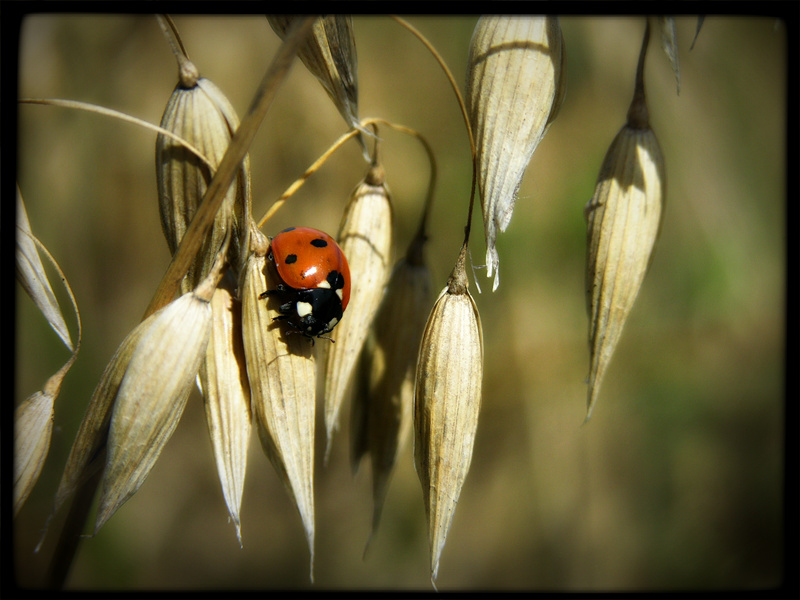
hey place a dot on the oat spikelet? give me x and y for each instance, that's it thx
(515, 86)
(329, 53)
(226, 395)
(152, 394)
(383, 406)
(200, 113)
(282, 373)
(447, 401)
(365, 237)
(623, 219)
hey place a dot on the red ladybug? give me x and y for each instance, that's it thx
(315, 280)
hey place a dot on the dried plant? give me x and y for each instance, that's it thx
(409, 361)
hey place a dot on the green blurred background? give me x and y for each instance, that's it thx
(677, 482)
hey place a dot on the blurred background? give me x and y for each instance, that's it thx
(675, 483)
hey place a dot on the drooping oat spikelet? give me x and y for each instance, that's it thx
(382, 409)
(200, 113)
(330, 55)
(515, 86)
(33, 418)
(447, 401)
(282, 374)
(32, 277)
(226, 395)
(365, 237)
(624, 218)
(152, 393)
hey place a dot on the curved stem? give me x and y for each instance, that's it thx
(464, 114)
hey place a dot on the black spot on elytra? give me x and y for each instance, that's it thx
(319, 243)
(291, 259)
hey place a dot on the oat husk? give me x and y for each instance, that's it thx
(447, 401)
(282, 373)
(365, 237)
(516, 81)
(623, 222)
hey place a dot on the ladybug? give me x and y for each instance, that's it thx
(314, 286)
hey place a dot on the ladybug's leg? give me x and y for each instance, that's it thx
(279, 289)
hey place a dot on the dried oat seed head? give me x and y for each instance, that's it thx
(447, 401)
(152, 394)
(365, 237)
(623, 221)
(515, 85)
(330, 55)
(282, 374)
(226, 395)
(383, 406)
(200, 113)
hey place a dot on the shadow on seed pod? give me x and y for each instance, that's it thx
(447, 401)
(282, 373)
(383, 403)
(365, 237)
(623, 222)
(515, 85)
(199, 113)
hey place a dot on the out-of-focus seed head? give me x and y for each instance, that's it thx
(199, 112)
(152, 394)
(282, 374)
(226, 394)
(515, 85)
(383, 406)
(330, 55)
(365, 237)
(447, 401)
(623, 222)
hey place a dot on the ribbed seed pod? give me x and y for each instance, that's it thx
(623, 218)
(330, 55)
(447, 400)
(226, 394)
(152, 393)
(199, 112)
(282, 373)
(365, 237)
(515, 85)
(383, 407)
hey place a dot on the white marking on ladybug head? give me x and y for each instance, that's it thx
(340, 293)
(324, 284)
(303, 309)
(332, 323)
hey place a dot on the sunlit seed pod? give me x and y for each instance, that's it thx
(87, 454)
(623, 223)
(282, 373)
(382, 408)
(152, 394)
(199, 112)
(226, 397)
(330, 55)
(365, 237)
(447, 401)
(33, 427)
(515, 85)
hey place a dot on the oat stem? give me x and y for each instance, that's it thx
(463, 108)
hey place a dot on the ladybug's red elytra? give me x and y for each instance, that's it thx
(315, 280)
